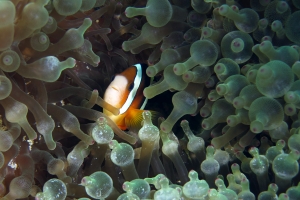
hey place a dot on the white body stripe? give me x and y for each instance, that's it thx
(132, 93)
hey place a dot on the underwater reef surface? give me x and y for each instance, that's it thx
(222, 118)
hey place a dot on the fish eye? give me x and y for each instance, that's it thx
(131, 86)
(112, 78)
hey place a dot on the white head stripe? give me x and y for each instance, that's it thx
(132, 93)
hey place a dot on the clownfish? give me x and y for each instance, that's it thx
(126, 93)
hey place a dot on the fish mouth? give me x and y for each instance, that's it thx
(115, 88)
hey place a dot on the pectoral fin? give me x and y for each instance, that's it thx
(134, 119)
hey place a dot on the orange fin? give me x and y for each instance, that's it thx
(134, 118)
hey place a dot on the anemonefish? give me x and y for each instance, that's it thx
(126, 93)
